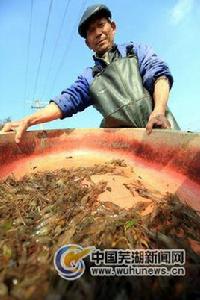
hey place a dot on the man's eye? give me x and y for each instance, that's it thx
(101, 24)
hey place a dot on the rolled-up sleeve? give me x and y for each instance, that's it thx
(151, 67)
(75, 98)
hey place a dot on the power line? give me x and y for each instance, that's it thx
(55, 47)
(28, 54)
(68, 47)
(42, 49)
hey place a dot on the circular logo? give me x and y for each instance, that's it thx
(68, 261)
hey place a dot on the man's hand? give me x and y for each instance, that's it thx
(19, 127)
(49, 113)
(157, 120)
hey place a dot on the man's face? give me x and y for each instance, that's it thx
(100, 35)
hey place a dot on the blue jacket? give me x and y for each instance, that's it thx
(77, 97)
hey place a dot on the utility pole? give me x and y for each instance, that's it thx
(37, 104)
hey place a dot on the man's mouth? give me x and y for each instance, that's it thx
(100, 42)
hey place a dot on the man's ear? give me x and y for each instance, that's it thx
(87, 44)
(114, 26)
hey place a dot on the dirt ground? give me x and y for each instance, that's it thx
(104, 206)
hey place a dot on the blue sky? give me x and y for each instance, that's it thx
(171, 27)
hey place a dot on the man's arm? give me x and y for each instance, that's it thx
(158, 80)
(160, 97)
(71, 101)
(161, 94)
(49, 113)
(151, 67)
(75, 98)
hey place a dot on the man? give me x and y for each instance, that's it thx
(129, 85)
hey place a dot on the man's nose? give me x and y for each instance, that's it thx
(98, 31)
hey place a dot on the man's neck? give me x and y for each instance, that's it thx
(103, 54)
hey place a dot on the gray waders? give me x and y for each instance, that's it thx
(118, 94)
